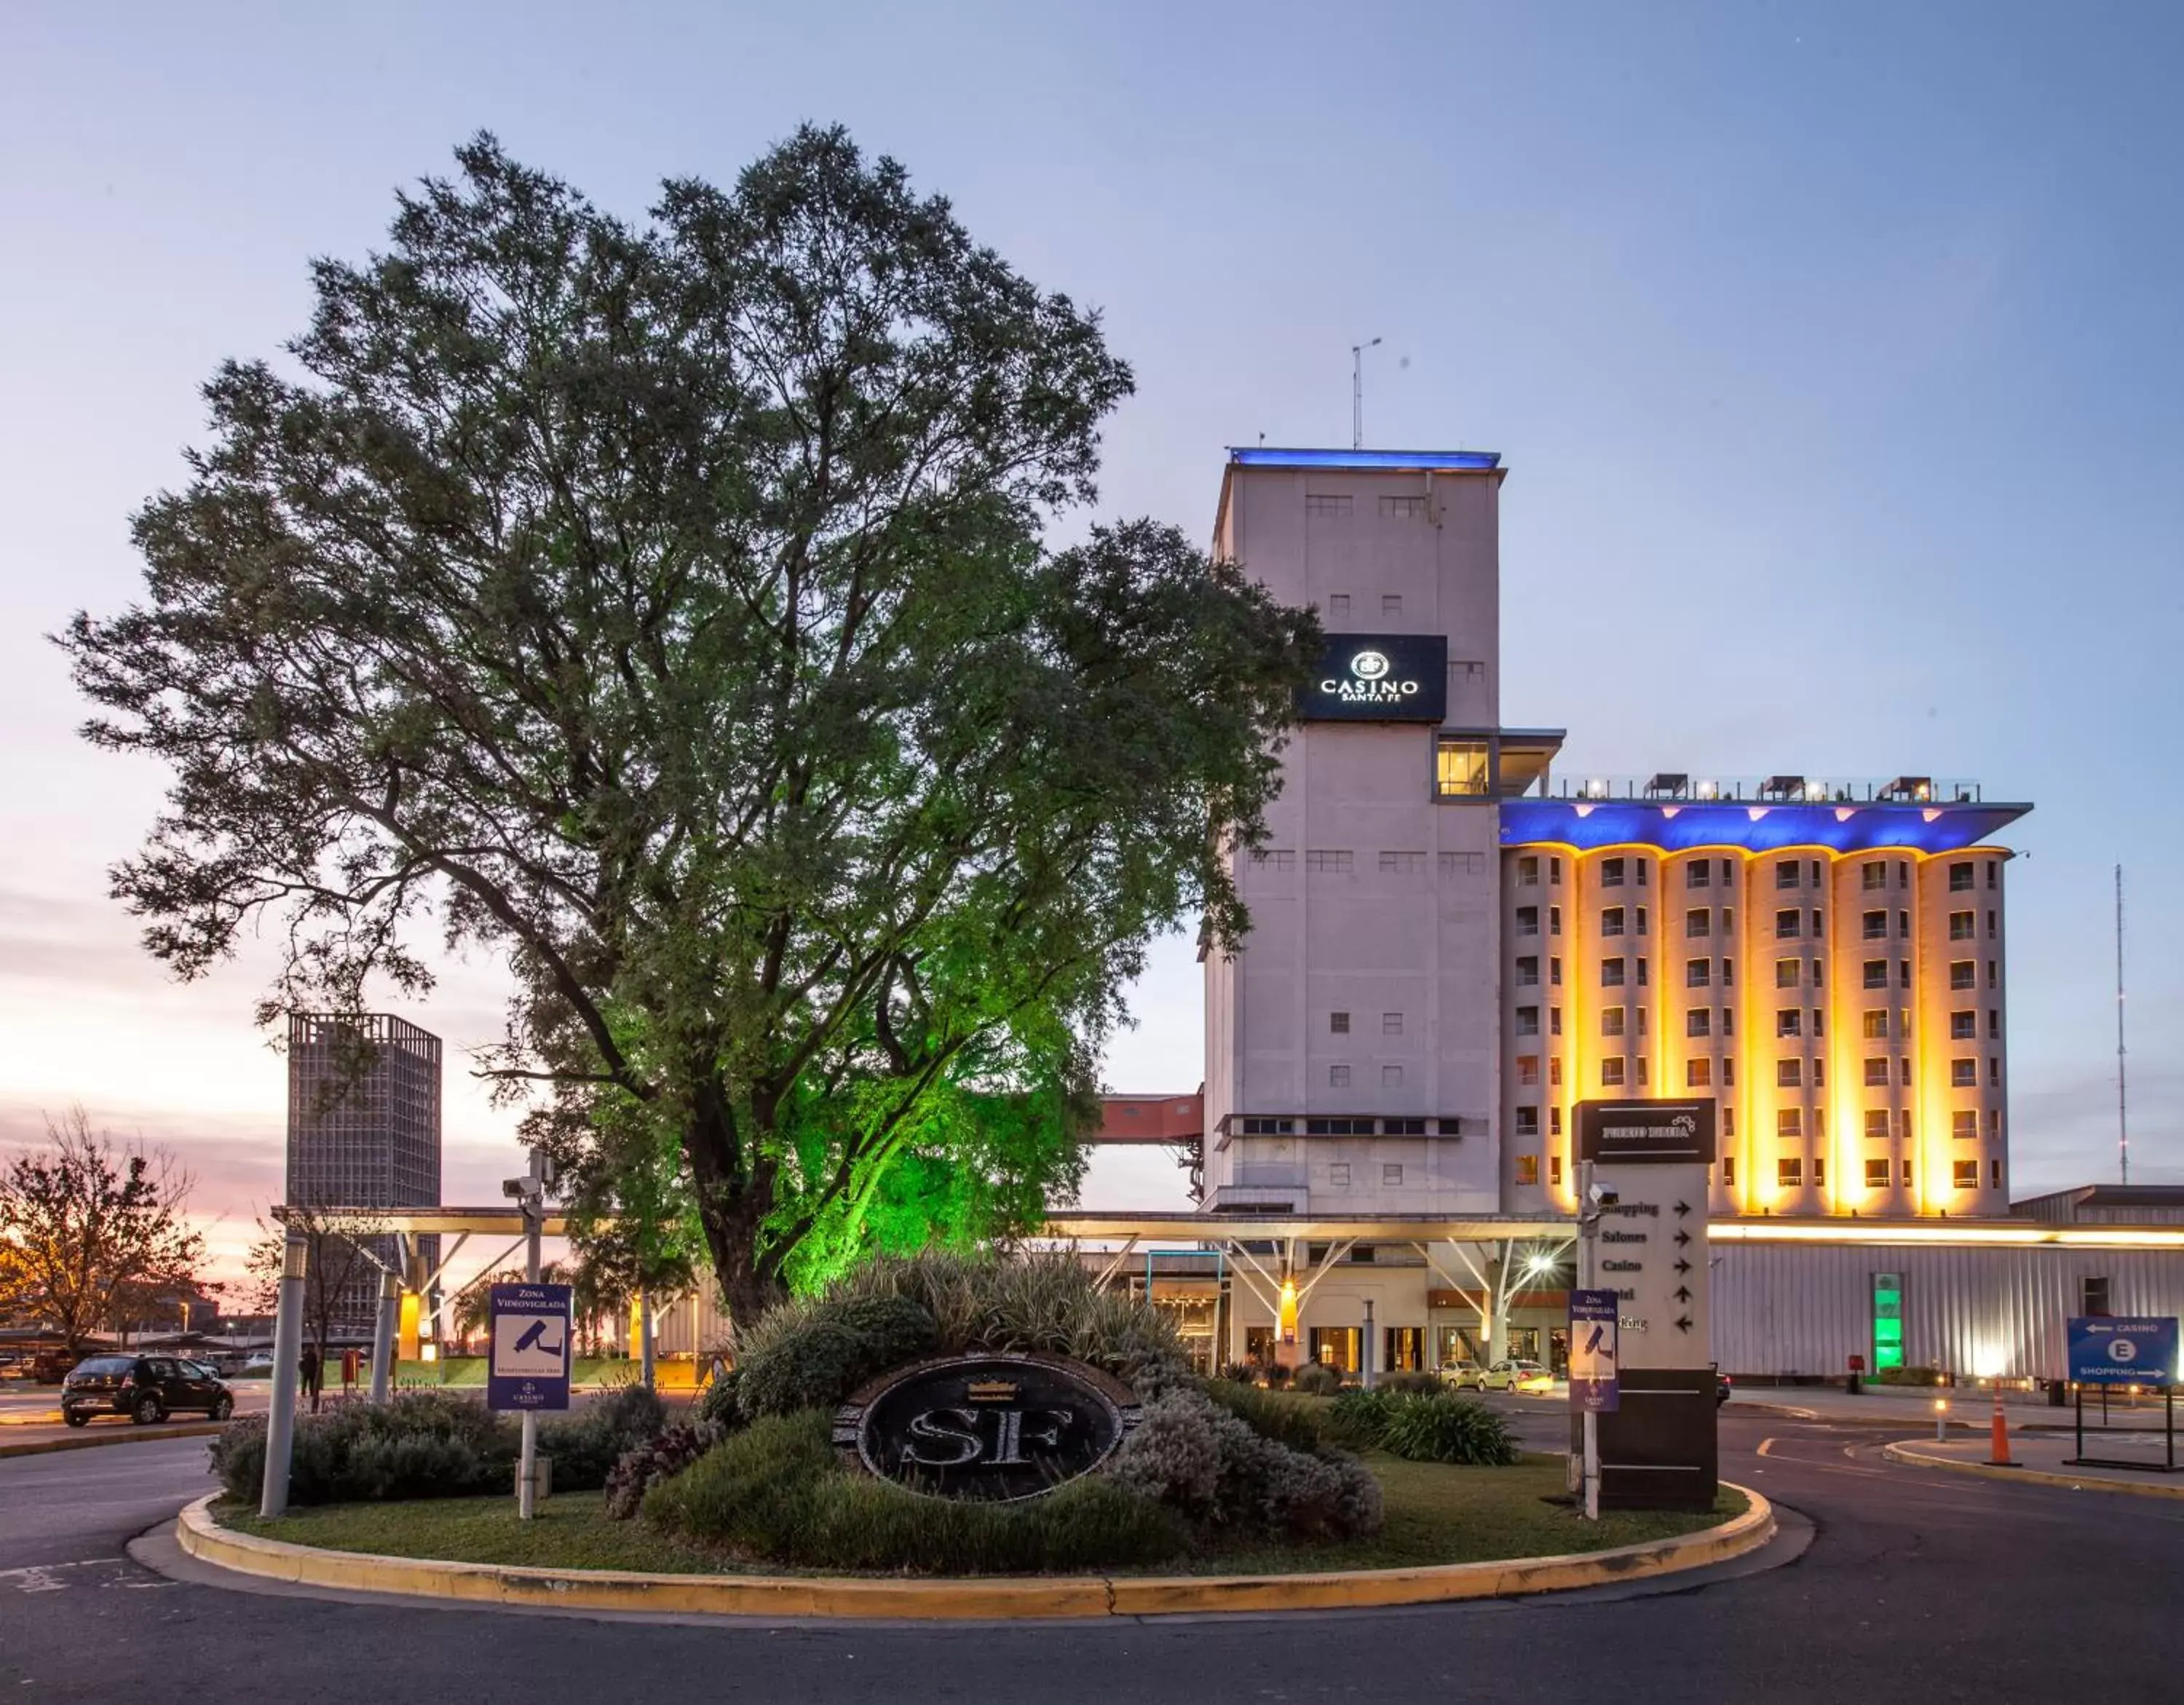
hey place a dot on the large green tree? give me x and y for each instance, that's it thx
(672, 609)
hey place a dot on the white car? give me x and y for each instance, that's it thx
(1516, 1375)
(1463, 1376)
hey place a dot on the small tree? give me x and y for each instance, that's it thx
(339, 1264)
(89, 1228)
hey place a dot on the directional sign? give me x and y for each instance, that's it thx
(531, 1351)
(2123, 1350)
(1593, 1363)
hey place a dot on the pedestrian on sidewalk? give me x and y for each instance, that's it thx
(312, 1373)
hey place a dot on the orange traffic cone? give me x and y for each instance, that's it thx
(1998, 1456)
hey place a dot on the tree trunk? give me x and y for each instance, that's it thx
(732, 1209)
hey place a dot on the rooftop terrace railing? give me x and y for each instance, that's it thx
(1670, 788)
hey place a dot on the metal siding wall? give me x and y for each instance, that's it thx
(1783, 1309)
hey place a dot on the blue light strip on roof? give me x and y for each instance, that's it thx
(1263, 457)
(1753, 826)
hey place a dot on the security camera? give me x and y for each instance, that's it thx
(515, 1189)
(1602, 1197)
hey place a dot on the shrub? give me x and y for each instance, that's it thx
(1317, 1380)
(1908, 1376)
(1416, 1384)
(812, 1355)
(1196, 1455)
(1273, 1415)
(419, 1444)
(776, 1491)
(717, 1405)
(585, 1446)
(1356, 1418)
(1239, 1372)
(1277, 1376)
(1447, 1428)
(660, 1457)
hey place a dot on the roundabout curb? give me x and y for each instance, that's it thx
(1906, 1452)
(942, 1600)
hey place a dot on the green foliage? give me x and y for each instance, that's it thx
(1197, 1457)
(1316, 1379)
(419, 1444)
(717, 1405)
(813, 1352)
(1425, 1427)
(1273, 1415)
(669, 609)
(776, 1492)
(587, 1443)
(1908, 1376)
(660, 1457)
(1417, 1385)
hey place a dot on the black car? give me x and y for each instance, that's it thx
(144, 1388)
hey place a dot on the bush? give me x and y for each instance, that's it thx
(1908, 1376)
(1273, 1415)
(1416, 1384)
(1277, 1376)
(1196, 1455)
(585, 1444)
(812, 1355)
(717, 1405)
(1317, 1380)
(1239, 1372)
(1447, 1428)
(1356, 1416)
(659, 1459)
(777, 1493)
(419, 1444)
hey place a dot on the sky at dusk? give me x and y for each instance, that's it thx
(1833, 349)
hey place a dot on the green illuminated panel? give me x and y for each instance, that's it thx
(1887, 1321)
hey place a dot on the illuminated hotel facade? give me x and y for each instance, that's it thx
(1448, 951)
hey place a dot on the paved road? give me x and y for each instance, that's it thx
(1919, 1586)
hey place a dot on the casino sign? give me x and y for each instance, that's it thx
(1378, 678)
(987, 1427)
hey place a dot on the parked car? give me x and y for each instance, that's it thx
(1463, 1376)
(1721, 1388)
(1516, 1375)
(144, 1388)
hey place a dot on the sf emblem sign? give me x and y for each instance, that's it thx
(531, 1350)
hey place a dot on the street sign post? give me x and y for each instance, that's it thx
(2139, 1351)
(530, 1364)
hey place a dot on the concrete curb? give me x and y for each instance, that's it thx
(112, 1435)
(1902, 1451)
(614, 1589)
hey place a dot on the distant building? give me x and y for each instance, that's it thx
(364, 1128)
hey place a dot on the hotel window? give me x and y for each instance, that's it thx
(1391, 604)
(1787, 972)
(1698, 874)
(1963, 973)
(1817, 920)
(1903, 1068)
(1876, 1073)
(1907, 1172)
(1991, 869)
(1993, 1067)
(1402, 863)
(1727, 872)
(1464, 864)
(1611, 1021)
(1728, 1114)
(1611, 921)
(1994, 1172)
(1699, 1074)
(1965, 1174)
(1527, 1121)
(1729, 920)
(1820, 1171)
(1993, 1025)
(1462, 769)
(1729, 1172)
(1816, 872)
(1328, 859)
(1790, 1021)
(1785, 874)
(1554, 920)
(1876, 1173)
(1280, 858)
(1964, 1027)
(1610, 872)
(1611, 1071)
(1902, 974)
(1403, 508)
(1639, 1069)
(1728, 1073)
(1789, 923)
(1638, 871)
(1993, 1124)
(1391, 1076)
(1338, 606)
(1789, 1074)
(1875, 924)
(1555, 1170)
(1819, 1021)
(1528, 870)
(1642, 920)
(1528, 971)
(1528, 1071)
(1728, 1021)
(1819, 1075)
(1964, 1122)
(1904, 872)
(1555, 1117)
(1990, 926)
(1960, 927)
(1338, 1076)
(1874, 1025)
(1391, 1023)
(1903, 924)
(1338, 1024)
(1639, 965)
(1964, 1074)
(1993, 973)
(1319, 503)
(1960, 878)
(1698, 920)
(1697, 972)
(1727, 965)
(1391, 1176)
(1555, 1074)
(1554, 1021)
(1876, 1123)
(1611, 974)
(1873, 876)
(1554, 872)
(1528, 1169)
(1789, 1171)
(1789, 1121)
(1819, 971)
(1528, 920)
(1698, 1021)
(1338, 1174)
(1903, 1123)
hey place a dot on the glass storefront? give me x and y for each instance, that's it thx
(1405, 1350)
(1336, 1345)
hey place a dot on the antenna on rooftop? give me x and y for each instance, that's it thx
(1357, 392)
(2123, 1103)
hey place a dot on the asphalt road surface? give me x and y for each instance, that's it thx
(1918, 1585)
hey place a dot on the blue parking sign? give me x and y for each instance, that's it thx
(529, 1356)
(2123, 1350)
(1595, 1379)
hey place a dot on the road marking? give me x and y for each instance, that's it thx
(1766, 1447)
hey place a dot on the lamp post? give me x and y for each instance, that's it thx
(529, 1193)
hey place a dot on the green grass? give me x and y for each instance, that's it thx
(1435, 1515)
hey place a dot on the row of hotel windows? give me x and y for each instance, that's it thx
(1449, 1124)
(1790, 973)
(1615, 872)
(1790, 1171)
(1619, 1072)
(1790, 1122)
(1789, 922)
(1341, 860)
